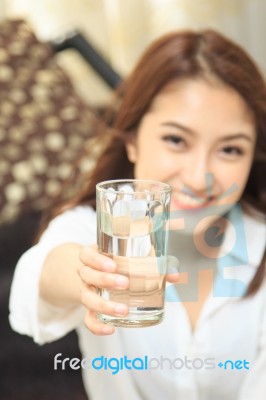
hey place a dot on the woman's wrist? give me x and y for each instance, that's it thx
(60, 283)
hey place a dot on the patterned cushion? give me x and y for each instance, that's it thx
(43, 122)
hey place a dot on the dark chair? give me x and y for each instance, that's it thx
(43, 127)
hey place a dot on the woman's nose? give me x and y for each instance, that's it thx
(198, 177)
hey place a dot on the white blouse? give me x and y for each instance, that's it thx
(224, 358)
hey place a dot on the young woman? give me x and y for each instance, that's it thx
(192, 114)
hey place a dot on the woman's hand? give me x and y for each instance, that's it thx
(99, 271)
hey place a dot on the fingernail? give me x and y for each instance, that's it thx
(107, 330)
(109, 265)
(121, 281)
(120, 309)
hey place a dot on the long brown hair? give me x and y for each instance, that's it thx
(182, 55)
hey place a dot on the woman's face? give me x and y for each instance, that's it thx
(199, 137)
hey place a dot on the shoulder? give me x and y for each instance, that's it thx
(79, 212)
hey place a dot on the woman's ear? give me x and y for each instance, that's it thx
(131, 150)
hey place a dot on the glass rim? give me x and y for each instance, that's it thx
(163, 187)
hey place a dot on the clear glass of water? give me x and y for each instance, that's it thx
(132, 229)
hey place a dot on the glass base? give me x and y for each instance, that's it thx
(135, 319)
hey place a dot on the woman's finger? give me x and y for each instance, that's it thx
(103, 279)
(90, 256)
(95, 326)
(172, 274)
(92, 301)
(172, 278)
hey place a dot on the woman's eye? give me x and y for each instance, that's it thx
(232, 151)
(173, 139)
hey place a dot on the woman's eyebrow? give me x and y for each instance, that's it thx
(178, 126)
(240, 135)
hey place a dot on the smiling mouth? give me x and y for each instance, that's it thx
(187, 202)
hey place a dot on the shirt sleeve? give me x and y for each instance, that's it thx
(254, 387)
(29, 314)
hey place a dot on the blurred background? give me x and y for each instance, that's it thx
(50, 92)
(121, 29)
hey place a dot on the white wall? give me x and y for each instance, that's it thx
(122, 28)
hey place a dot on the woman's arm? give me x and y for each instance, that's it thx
(60, 284)
(60, 274)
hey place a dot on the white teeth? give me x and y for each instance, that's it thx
(189, 200)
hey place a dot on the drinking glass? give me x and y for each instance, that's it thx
(132, 220)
